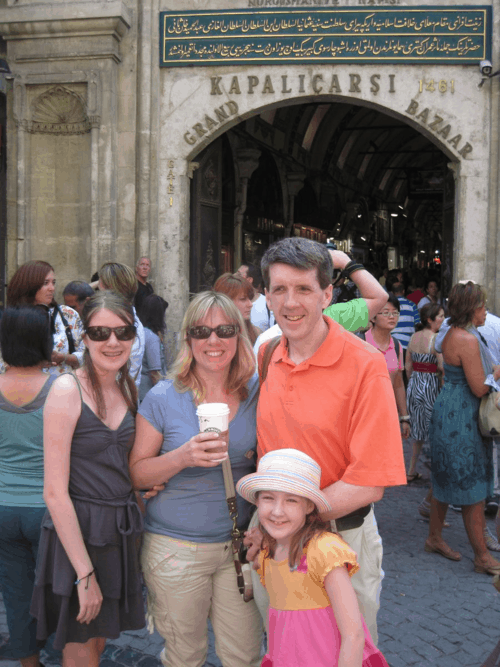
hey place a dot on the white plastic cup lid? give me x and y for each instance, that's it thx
(212, 409)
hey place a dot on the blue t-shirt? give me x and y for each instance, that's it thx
(409, 317)
(193, 504)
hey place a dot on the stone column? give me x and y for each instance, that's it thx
(295, 183)
(146, 56)
(94, 192)
(247, 160)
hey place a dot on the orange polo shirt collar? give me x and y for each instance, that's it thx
(324, 355)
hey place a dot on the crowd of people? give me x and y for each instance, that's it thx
(107, 484)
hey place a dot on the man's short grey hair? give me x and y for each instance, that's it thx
(302, 254)
(80, 289)
(140, 260)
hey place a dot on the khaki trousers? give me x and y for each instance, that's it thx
(189, 582)
(367, 582)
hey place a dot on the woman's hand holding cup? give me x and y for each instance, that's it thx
(213, 419)
(205, 450)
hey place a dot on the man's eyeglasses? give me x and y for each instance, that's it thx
(100, 334)
(222, 331)
(389, 313)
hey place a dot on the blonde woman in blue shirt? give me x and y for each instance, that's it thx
(186, 556)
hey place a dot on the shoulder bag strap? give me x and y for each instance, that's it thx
(230, 493)
(266, 357)
(69, 333)
(397, 346)
(243, 576)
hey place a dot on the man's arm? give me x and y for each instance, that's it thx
(371, 290)
(345, 498)
(374, 452)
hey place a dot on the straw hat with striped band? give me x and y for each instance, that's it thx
(287, 470)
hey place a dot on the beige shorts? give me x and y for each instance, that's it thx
(189, 582)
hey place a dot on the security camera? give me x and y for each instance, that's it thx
(486, 67)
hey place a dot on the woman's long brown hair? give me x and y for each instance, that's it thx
(119, 306)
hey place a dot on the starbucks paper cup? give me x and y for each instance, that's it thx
(213, 417)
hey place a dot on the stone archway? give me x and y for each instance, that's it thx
(199, 104)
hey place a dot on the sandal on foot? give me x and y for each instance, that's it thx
(487, 569)
(413, 478)
(445, 551)
(491, 541)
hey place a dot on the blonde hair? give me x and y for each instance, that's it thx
(119, 278)
(242, 368)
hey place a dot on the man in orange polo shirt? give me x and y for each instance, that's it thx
(328, 394)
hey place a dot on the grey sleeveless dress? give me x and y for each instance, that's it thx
(111, 525)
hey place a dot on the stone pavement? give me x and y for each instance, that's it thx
(433, 611)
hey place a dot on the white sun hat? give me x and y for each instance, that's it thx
(287, 470)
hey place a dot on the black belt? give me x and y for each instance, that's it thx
(353, 520)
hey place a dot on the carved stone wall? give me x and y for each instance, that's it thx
(59, 111)
(71, 128)
(122, 158)
(59, 178)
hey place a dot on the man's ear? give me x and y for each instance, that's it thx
(268, 298)
(328, 296)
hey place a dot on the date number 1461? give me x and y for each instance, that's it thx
(431, 86)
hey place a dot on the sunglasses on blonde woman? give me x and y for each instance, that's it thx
(100, 334)
(222, 331)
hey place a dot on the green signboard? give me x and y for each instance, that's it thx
(416, 35)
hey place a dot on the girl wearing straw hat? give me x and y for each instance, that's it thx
(314, 617)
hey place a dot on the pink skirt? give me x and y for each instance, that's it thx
(311, 638)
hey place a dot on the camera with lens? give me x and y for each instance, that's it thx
(486, 67)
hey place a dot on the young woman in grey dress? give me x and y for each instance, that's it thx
(88, 586)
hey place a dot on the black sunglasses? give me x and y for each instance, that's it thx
(222, 331)
(100, 334)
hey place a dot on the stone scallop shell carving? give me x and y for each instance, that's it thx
(59, 111)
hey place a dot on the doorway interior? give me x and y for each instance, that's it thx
(337, 171)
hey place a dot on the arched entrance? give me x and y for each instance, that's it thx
(365, 131)
(331, 170)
